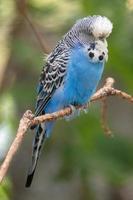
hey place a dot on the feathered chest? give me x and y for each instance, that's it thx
(82, 77)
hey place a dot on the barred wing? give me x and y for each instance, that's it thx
(52, 77)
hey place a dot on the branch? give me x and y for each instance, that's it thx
(22, 7)
(38, 36)
(28, 120)
(104, 123)
(109, 83)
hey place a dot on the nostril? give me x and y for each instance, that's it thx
(91, 55)
(101, 57)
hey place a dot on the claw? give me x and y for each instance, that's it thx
(74, 114)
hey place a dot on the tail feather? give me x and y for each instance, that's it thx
(37, 146)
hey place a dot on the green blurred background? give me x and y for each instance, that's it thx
(78, 162)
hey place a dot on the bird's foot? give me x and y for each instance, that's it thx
(74, 114)
(85, 108)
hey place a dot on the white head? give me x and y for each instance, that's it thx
(88, 30)
(101, 27)
(97, 52)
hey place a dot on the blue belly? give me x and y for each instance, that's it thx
(80, 83)
(82, 78)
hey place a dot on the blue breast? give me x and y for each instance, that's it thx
(80, 83)
(82, 77)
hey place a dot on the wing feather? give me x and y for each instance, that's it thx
(52, 76)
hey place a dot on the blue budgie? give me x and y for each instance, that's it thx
(71, 74)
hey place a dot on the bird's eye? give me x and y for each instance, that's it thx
(101, 57)
(91, 55)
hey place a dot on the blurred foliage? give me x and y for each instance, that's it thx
(81, 146)
(90, 151)
(5, 190)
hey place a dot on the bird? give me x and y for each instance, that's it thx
(70, 75)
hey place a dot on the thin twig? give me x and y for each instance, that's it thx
(22, 7)
(28, 120)
(23, 126)
(104, 124)
(43, 45)
(109, 84)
